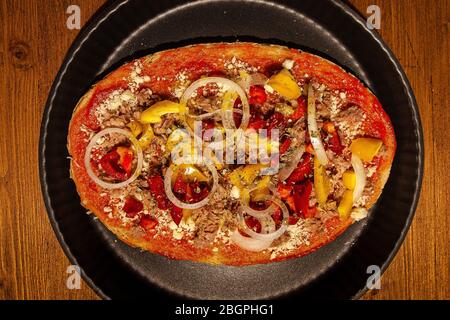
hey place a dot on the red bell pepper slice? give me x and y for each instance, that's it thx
(293, 219)
(302, 171)
(253, 224)
(180, 186)
(309, 148)
(257, 95)
(176, 213)
(126, 159)
(256, 124)
(132, 207)
(284, 190)
(110, 164)
(156, 184)
(237, 117)
(148, 223)
(197, 191)
(301, 109)
(333, 142)
(301, 199)
(285, 146)
(277, 216)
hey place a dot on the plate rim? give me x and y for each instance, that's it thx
(111, 6)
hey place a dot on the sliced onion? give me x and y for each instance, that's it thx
(227, 85)
(360, 173)
(273, 235)
(87, 158)
(259, 214)
(205, 115)
(184, 205)
(314, 133)
(254, 79)
(249, 244)
(286, 171)
(267, 225)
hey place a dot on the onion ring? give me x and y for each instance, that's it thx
(183, 205)
(249, 244)
(205, 115)
(254, 79)
(360, 173)
(314, 133)
(87, 158)
(259, 214)
(227, 84)
(274, 235)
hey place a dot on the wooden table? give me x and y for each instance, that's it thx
(33, 42)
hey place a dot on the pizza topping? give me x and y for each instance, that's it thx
(291, 166)
(301, 195)
(302, 171)
(256, 213)
(148, 223)
(116, 163)
(191, 196)
(147, 136)
(246, 80)
(366, 148)
(349, 179)
(360, 173)
(315, 183)
(154, 113)
(321, 182)
(314, 134)
(346, 204)
(332, 140)
(258, 95)
(132, 207)
(285, 84)
(288, 64)
(249, 244)
(359, 214)
(227, 86)
(271, 236)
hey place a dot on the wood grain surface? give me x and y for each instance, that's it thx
(33, 42)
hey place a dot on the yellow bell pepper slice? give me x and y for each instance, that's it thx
(235, 178)
(190, 173)
(321, 182)
(260, 194)
(153, 114)
(245, 175)
(135, 127)
(228, 100)
(366, 148)
(147, 136)
(263, 183)
(346, 204)
(262, 189)
(175, 138)
(285, 84)
(349, 179)
(250, 172)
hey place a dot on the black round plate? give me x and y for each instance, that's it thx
(122, 30)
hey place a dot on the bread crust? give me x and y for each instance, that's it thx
(203, 59)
